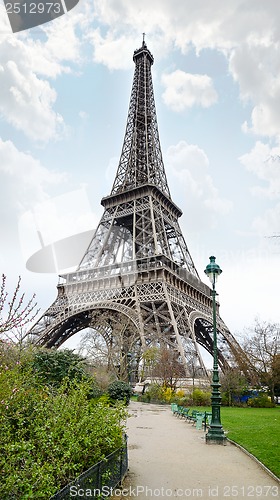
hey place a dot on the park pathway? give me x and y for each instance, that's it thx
(168, 458)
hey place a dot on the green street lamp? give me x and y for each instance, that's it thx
(215, 434)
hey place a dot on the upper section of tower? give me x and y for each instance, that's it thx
(141, 158)
(139, 53)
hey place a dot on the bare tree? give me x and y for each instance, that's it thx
(276, 374)
(233, 384)
(168, 367)
(150, 359)
(94, 347)
(262, 345)
(116, 351)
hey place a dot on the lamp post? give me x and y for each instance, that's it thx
(129, 356)
(215, 433)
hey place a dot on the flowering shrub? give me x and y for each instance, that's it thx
(157, 392)
(16, 312)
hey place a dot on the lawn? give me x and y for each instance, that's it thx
(257, 430)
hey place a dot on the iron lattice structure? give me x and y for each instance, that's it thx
(137, 285)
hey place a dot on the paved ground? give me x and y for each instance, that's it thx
(168, 458)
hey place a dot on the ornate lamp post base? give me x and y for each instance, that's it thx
(216, 440)
(216, 436)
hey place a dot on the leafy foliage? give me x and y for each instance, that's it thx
(262, 401)
(119, 390)
(49, 435)
(52, 366)
(200, 397)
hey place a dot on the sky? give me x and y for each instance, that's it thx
(65, 89)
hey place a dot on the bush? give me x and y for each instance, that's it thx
(167, 394)
(262, 401)
(119, 390)
(52, 366)
(180, 394)
(159, 393)
(154, 392)
(201, 398)
(144, 398)
(185, 401)
(48, 436)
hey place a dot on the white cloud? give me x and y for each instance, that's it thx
(255, 66)
(28, 99)
(110, 50)
(23, 178)
(247, 33)
(268, 224)
(24, 182)
(183, 90)
(264, 162)
(53, 222)
(136, 17)
(188, 168)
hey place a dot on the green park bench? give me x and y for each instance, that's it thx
(174, 408)
(198, 418)
(179, 411)
(192, 416)
(203, 419)
(183, 411)
(208, 418)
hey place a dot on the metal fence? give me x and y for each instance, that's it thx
(100, 480)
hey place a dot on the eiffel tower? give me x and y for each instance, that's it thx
(137, 285)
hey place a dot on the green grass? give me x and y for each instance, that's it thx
(257, 430)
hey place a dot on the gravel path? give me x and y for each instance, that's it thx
(168, 458)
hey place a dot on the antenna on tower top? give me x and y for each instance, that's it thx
(144, 34)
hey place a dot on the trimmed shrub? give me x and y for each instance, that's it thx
(119, 390)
